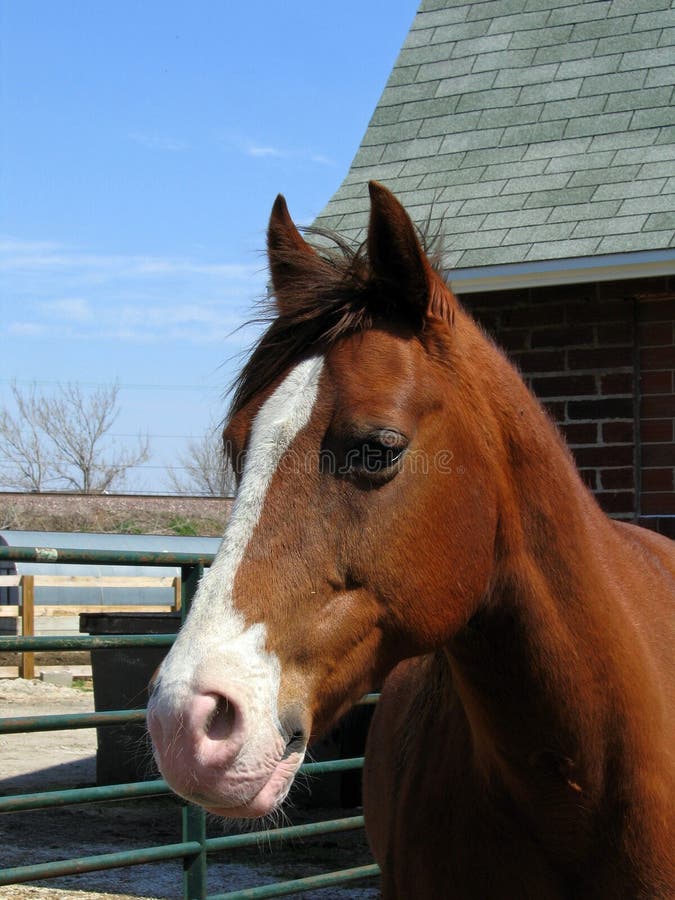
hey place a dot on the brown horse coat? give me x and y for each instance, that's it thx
(406, 511)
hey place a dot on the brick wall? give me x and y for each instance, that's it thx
(601, 358)
(656, 337)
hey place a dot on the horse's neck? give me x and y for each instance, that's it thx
(556, 671)
(562, 722)
(537, 666)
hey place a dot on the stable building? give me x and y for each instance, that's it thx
(538, 137)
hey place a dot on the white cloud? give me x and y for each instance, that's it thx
(9, 245)
(262, 150)
(74, 309)
(255, 150)
(27, 329)
(322, 160)
(158, 266)
(194, 324)
(25, 255)
(67, 294)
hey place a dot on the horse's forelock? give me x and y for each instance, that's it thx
(329, 301)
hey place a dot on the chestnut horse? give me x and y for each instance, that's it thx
(406, 511)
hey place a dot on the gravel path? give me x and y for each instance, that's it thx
(66, 759)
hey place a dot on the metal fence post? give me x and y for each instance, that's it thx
(194, 818)
(189, 579)
(194, 865)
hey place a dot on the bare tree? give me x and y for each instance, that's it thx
(24, 462)
(62, 441)
(201, 468)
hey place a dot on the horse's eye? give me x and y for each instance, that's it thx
(375, 455)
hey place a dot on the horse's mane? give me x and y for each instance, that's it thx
(338, 297)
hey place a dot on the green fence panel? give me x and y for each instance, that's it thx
(283, 888)
(25, 724)
(104, 557)
(194, 820)
(195, 847)
(85, 642)
(77, 866)
(76, 796)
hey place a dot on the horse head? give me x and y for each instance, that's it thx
(363, 527)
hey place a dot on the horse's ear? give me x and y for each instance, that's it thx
(399, 263)
(290, 257)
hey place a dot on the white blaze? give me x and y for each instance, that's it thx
(214, 646)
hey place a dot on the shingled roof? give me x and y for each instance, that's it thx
(541, 132)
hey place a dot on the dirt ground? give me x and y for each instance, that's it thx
(66, 759)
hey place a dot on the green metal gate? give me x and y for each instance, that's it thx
(195, 846)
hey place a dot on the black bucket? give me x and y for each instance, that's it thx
(121, 677)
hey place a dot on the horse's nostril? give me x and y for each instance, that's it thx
(220, 724)
(295, 743)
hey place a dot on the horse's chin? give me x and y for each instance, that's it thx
(267, 800)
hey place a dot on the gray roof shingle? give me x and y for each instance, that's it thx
(527, 130)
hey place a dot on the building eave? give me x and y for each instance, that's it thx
(546, 273)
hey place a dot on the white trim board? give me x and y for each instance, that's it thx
(579, 270)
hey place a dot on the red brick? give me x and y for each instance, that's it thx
(601, 358)
(513, 338)
(604, 456)
(656, 334)
(656, 382)
(574, 293)
(555, 409)
(658, 479)
(659, 406)
(534, 314)
(658, 358)
(656, 431)
(656, 455)
(633, 287)
(597, 311)
(657, 310)
(576, 342)
(616, 501)
(620, 333)
(660, 503)
(605, 408)
(563, 337)
(498, 299)
(490, 321)
(617, 479)
(580, 432)
(565, 386)
(617, 383)
(618, 432)
(540, 360)
(589, 478)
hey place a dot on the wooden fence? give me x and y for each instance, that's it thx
(27, 609)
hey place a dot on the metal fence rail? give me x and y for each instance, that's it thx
(195, 846)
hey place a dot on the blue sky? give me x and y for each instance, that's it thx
(141, 148)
